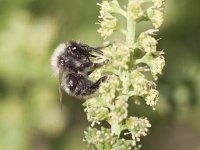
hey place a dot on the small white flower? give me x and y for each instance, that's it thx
(138, 127)
(105, 7)
(108, 25)
(156, 65)
(121, 56)
(119, 111)
(106, 93)
(139, 83)
(158, 3)
(108, 22)
(135, 9)
(156, 16)
(152, 97)
(147, 43)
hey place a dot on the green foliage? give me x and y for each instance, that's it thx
(30, 115)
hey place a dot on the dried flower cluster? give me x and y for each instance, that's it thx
(130, 60)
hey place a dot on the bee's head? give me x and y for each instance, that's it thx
(58, 58)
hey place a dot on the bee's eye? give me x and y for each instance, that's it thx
(73, 47)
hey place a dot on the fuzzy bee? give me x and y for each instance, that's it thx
(72, 63)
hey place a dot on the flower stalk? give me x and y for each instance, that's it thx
(128, 79)
(131, 25)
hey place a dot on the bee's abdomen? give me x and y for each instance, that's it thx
(79, 86)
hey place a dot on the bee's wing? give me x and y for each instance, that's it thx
(98, 49)
(60, 81)
(86, 49)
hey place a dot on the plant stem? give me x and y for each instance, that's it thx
(131, 25)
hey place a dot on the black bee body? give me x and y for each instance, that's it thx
(72, 62)
(79, 86)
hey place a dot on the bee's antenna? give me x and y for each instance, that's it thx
(102, 47)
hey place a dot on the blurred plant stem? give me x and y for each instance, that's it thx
(131, 27)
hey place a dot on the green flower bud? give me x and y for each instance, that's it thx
(156, 16)
(138, 127)
(139, 83)
(119, 110)
(108, 25)
(152, 97)
(121, 56)
(98, 137)
(156, 65)
(97, 114)
(146, 42)
(158, 3)
(105, 9)
(106, 93)
(135, 9)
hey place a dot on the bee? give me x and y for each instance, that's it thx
(72, 63)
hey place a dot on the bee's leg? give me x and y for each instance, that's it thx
(102, 47)
(88, 67)
(98, 82)
(81, 86)
(90, 89)
(98, 49)
(96, 65)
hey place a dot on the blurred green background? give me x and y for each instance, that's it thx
(30, 114)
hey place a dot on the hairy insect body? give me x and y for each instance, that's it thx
(72, 63)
